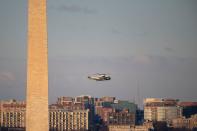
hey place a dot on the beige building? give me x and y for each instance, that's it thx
(183, 122)
(118, 127)
(12, 113)
(108, 99)
(125, 127)
(13, 119)
(161, 113)
(60, 120)
(64, 100)
(161, 109)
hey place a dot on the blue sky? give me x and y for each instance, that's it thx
(146, 44)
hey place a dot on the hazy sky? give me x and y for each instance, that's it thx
(145, 44)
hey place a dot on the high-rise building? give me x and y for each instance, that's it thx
(37, 68)
(161, 109)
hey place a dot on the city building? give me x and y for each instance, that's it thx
(115, 112)
(86, 99)
(108, 99)
(12, 105)
(188, 108)
(147, 126)
(88, 103)
(183, 122)
(121, 105)
(139, 117)
(161, 109)
(104, 101)
(61, 119)
(64, 100)
(68, 103)
(103, 112)
(123, 117)
(12, 113)
(118, 127)
(78, 114)
(13, 119)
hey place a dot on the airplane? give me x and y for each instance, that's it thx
(99, 77)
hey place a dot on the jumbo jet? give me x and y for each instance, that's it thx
(99, 77)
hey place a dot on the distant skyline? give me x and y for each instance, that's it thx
(150, 45)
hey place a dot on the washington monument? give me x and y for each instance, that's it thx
(37, 68)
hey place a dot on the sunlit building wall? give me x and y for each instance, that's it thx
(168, 113)
(117, 127)
(64, 100)
(13, 119)
(183, 122)
(108, 99)
(127, 127)
(161, 109)
(12, 113)
(60, 120)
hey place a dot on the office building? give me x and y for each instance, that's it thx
(103, 112)
(147, 126)
(121, 105)
(188, 108)
(183, 122)
(12, 113)
(13, 117)
(61, 119)
(123, 117)
(161, 109)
